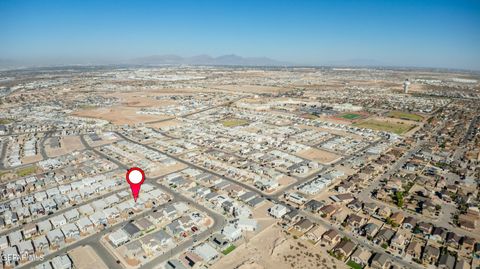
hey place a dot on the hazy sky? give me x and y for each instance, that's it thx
(405, 33)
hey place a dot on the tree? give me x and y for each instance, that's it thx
(399, 198)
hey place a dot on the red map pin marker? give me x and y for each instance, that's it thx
(135, 177)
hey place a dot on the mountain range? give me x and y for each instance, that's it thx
(172, 59)
(203, 59)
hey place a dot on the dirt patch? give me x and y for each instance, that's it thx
(86, 258)
(332, 131)
(233, 122)
(32, 159)
(106, 138)
(251, 88)
(318, 155)
(68, 144)
(285, 181)
(161, 170)
(118, 115)
(136, 99)
(272, 248)
(250, 265)
(164, 124)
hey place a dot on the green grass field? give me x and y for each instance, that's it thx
(3, 173)
(354, 265)
(310, 116)
(228, 250)
(87, 107)
(392, 127)
(234, 122)
(25, 171)
(351, 116)
(404, 116)
(5, 121)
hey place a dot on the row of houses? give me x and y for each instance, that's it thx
(54, 233)
(47, 202)
(29, 185)
(220, 194)
(321, 182)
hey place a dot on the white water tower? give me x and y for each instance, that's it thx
(406, 83)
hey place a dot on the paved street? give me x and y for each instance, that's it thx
(42, 144)
(365, 194)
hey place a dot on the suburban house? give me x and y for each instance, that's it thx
(414, 249)
(331, 237)
(361, 256)
(303, 225)
(118, 238)
(344, 248)
(278, 211)
(384, 236)
(41, 245)
(446, 261)
(56, 238)
(430, 254)
(409, 223)
(380, 261)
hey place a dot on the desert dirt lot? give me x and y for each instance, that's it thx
(118, 115)
(126, 111)
(285, 181)
(161, 170)
(318, 155)
(86, 258)
(272, 248)
(32, 159)
(141, 99)
(68, 144)
(332, 131)
(165, 124)
(250, 88)
(106, 138)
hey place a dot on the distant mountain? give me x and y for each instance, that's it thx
(356, 62)
(230, 59)
(201, 59)
(8, 63)
(164, 59)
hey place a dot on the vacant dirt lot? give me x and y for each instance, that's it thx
(250, 88)
(32, 159)
(118, 115)
(318, 155)
(86, 258)
(68, 144)
(142, 99)
(163, 124)
(273, 249)
(161, 170)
